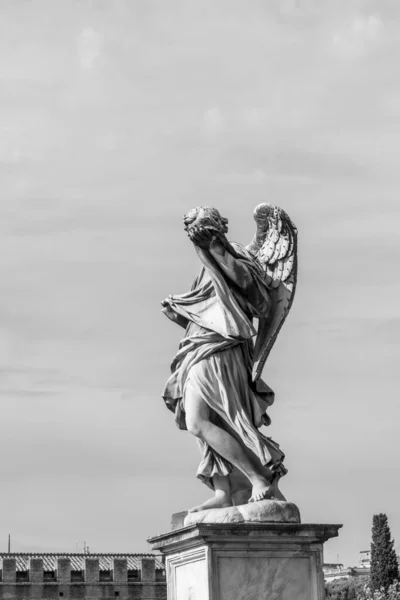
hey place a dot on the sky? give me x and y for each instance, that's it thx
(118, 117)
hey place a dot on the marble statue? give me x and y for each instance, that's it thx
(232, 316)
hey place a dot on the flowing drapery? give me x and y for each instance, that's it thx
(215, 357)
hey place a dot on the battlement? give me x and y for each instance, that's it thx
(89, 569)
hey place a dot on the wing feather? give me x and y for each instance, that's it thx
(275, 248)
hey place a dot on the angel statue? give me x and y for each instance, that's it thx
(232, 316)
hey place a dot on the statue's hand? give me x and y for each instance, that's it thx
(172, 315)
(202, 236)
(166, 306)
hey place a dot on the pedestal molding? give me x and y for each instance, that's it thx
(245, 561)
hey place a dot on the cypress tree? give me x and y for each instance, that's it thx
(384, 564)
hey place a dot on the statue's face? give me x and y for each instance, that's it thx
(203, 216)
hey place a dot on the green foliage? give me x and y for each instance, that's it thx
(337, 589)
(361, 587)
(384, 564)
(392, 593)
(353, 588)
(357, 588)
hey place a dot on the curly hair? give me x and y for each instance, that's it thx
(211, 215)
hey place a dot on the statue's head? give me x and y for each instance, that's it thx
(204, 216)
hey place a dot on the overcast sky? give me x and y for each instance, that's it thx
(116, 118)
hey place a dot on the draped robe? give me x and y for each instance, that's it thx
(216, 358)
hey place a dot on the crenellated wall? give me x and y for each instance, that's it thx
(89, 583)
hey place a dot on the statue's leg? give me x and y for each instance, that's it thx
(222, 496)
(199, 424)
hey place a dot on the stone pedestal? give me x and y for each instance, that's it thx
(245, 561)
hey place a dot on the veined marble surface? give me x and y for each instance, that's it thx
(286, 578)
(245, 561)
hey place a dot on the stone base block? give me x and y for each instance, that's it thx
(245, 561)
(264, 511)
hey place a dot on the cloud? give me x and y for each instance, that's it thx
(282, 161)
(357, 37)
(260, 178)
(213, 120)
(238, 120)
(89, 47)
(296, 8)
(255, 117)
(92, 240)
(14, 146)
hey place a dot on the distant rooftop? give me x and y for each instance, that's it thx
(77, 560)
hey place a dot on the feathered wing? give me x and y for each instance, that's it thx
(275, 247)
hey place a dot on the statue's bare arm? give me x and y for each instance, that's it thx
(223, 253)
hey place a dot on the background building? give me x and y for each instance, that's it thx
(365, 559)
(82, 577)
(334, 571)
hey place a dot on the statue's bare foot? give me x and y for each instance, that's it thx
(266, 491)
(221, 500)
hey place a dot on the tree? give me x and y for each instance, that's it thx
(359, 588)
(337, 589)
(354, 588)
(392, 593)
(384, 564)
